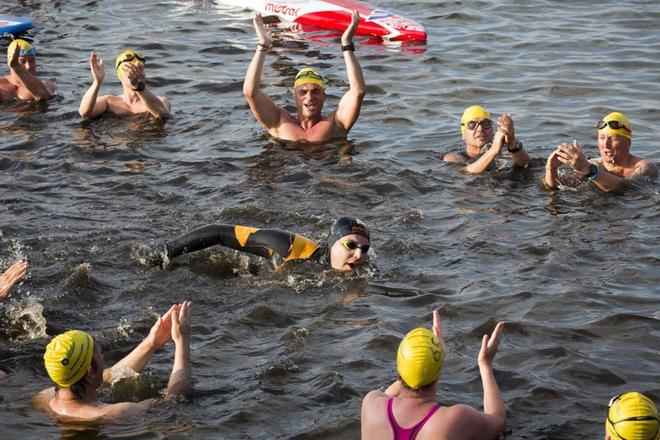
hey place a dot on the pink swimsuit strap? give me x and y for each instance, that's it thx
(401, 433)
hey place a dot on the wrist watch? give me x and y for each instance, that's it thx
(140, 87)
(593, 172)
(350, 46)
(516, 148)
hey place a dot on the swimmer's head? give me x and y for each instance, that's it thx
(27, 54)
(308, 76)
(632, 416)
(348, 243)
(419, 359)
(68, 357)
(615, 123)
(127, 56)
(473, 113)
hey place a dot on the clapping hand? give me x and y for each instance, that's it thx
(489, 346)
(97, 67)
(347, 37)
(259, 28)
(12, 276)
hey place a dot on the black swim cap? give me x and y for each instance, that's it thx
(346, 226)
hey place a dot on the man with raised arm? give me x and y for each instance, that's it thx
(22, 81)
(410, 402)
(482, 146)
(136, 97)
(616, 166)
(309, 92)
(74, 361)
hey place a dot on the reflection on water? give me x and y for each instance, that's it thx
(574, 272)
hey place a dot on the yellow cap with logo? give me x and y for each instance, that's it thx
(23, 45)
(473, 113)
(68, 357)
(419, 359)
(616, 123)
(127, 56)
(632, 416)
(308, 76)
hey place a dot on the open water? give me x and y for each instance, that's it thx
(574, 273)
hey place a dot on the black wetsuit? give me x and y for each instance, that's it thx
(268, 243)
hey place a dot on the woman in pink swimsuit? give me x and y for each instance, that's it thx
(407, 410)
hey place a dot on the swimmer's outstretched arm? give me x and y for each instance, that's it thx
(482, 164)
(350, 104)
(179, 382)
(91, 106)
(40, 90)
(12, 276)
(262, 106)
(493, 403)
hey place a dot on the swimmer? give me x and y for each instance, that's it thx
(347, 244)
(136, 97)
(22, 82)
(411, 400)
(13, 275)
(309, 93)
(480, 143)
(74, 361)
(616, 166)
(631, 416)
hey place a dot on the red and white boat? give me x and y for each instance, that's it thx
(336, 14)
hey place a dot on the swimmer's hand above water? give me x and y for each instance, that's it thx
(13, 275)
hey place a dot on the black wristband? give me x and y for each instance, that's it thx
(350, 46)
(140, 87)
(518, 147)
(263, 47)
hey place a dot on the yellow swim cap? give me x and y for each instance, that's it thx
(24, 46)
(616, 123)
(127, 56)
(68, 357)
(419, 359)
(472, 113)
(632, 416)
(308, 76)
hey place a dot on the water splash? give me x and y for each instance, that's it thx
(25, 320)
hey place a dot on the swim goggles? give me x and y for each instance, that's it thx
(614, 125)
(310, 74)
(352, 245)
(130, 57)
(32, 51)
(472, 125)
(629, 419)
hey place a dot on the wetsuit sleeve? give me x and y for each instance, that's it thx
(262, 242)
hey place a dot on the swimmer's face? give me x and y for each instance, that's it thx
(347, 253)
(613, 147)
(309, 100)
(479, 136)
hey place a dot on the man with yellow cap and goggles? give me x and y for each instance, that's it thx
(616, 166)
(22, 81)
(410, 402)
(482, 145)
(74, 361)
(632, 416)
(136, 97)
(309, 93)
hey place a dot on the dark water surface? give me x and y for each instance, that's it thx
(574, 273)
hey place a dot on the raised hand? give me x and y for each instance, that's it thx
(12, 276)
(489, 346)
(262, 34)
(161, 332)
(572, 155)
(181, 323)
(437, 331)
(97, 67)
(553, 160)
(505, 125)
(347, 37)
(13, 61)
(134, 73)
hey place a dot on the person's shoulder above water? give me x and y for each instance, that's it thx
(22, 82)
(308, 124)
(136, 97)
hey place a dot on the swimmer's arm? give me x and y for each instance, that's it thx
(39, 90)
(493, 403)
(90, 106)
(608, 182)
(482, 164)
(551, 178)
(119, 411)
(454, 157)
(159, 107)
(349, 106)
(12, 276)
(521, 158)
(263, 108)
(179, 382)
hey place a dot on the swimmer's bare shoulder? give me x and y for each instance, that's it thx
(455, 157)
(645, 168)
